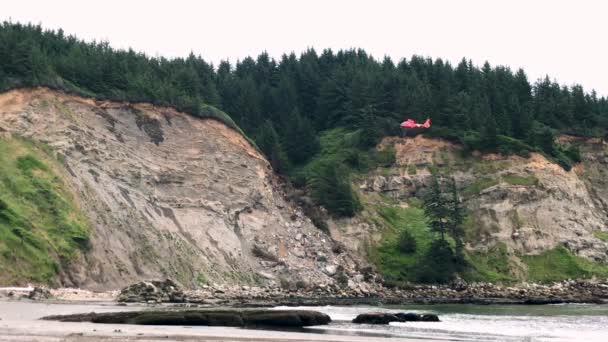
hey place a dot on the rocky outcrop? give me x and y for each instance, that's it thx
(386, 318)
(529, 204)
(376, 318)
(229, 318)
(40, 293)
(154, 291)
(171, 195)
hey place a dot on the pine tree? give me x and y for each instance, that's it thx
(521, 120)
(330, 187)
(436, 208)
(267, 140)
(300, 139)
(490, 133)
(456, 217)
(333, 100)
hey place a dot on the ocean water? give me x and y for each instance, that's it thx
(559, 323)
(462, 322)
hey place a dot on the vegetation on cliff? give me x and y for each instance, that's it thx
(424, 244)
(41, 227)
(427, 263)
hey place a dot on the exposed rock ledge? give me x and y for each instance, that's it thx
(230, 318)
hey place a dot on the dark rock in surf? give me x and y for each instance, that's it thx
(287, 318)
(386, 318)
(228, 318)
(429, 318)
(408, 317)
(376, 318)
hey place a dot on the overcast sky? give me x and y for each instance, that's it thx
(565, 39)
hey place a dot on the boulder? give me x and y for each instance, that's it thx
(330, 270)
(386, 318)
(379, 184)
(409, 317)
(39, 293)
(154, 291)
(376, 318)
(459, 284)
(430, 318)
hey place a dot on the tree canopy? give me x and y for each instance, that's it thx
(286, 104)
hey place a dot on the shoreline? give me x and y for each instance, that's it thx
(576, 292)
(21, 321)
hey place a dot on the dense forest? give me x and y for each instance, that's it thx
(317, 116)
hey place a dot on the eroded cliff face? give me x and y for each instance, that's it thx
(170, 195)
(530, 204)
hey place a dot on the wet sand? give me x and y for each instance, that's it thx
(19, 321)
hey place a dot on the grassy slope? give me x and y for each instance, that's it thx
(559, 263)
(601, 235)
(493, 265)
(394, 265)
(41, 227)
(340, 146)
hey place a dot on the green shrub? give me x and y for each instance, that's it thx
(411, 169)
(415, 202)
(330, 187)
(284, 283)
(385, 157)
(521, 180)
(472, 141)
(342, 279)
(572, 152)
(439, 264)
(508, 145)
(407, 242)
(201, 279)
(562, 160)
(476, 187)
(318, 221)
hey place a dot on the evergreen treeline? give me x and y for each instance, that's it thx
(31, 56)
(285, 104)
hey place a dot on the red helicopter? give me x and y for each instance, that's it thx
(410, 125)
